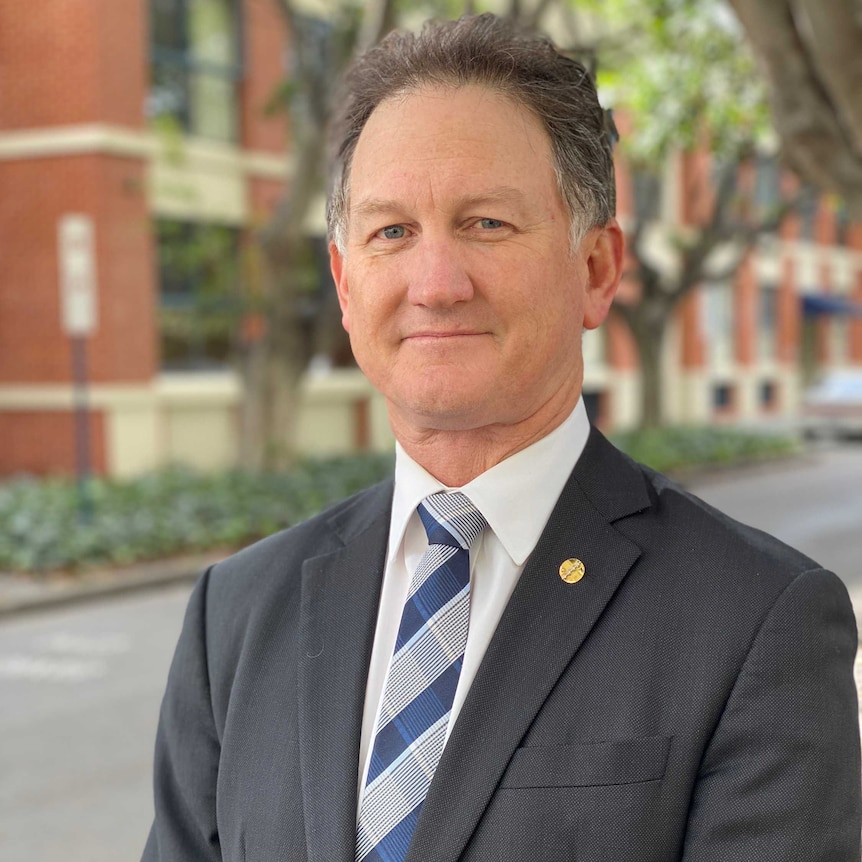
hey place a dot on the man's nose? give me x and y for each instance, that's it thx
(438, 276)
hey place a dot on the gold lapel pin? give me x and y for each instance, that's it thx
(571, 571)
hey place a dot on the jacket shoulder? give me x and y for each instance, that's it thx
(718, 561)
(277, 559)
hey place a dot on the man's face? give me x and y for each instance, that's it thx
(459, 288)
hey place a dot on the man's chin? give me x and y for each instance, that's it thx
(443, 412)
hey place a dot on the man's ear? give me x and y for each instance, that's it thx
(339, 276)
(604, 250)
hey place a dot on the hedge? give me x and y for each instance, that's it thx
(178, 510)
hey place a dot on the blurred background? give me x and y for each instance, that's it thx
(174, 378)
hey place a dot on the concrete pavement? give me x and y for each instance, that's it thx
(27, 593)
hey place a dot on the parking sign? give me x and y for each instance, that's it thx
(78, 290)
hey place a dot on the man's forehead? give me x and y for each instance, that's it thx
(372, 205)
(484, 101)
(465, 142)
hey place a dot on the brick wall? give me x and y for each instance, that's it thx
(36, 193)
(44, 443)
(72, 61)
(66, 63)
(264, 56)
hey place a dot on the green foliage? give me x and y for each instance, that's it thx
(178, 510)
(202, 300)
(201, 255)
(681, 69)
(680, 448)
(169, 512)
(171, 136)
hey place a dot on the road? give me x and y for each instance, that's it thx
(80, 686)
(79, 695)
(814, 504)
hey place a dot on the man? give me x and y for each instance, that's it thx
(529, 647)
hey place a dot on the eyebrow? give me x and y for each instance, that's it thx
(500, 194)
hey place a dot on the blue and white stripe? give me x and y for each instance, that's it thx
(423, 676)
(398, 791)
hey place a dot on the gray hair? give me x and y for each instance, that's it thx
(491, 52)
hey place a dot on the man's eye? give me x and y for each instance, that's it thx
(491, 223)
(394, 231)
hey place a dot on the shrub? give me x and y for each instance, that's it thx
(681, 448)
(178, 510)
(167, 512)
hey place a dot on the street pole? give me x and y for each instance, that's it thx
(79, 319)
(82, 428)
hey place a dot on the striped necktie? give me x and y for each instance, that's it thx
(423, 676)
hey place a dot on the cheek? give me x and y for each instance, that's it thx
(548, 315)
(367, 327)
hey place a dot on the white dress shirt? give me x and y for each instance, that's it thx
(516, 497)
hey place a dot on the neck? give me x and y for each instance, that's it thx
(455, 457)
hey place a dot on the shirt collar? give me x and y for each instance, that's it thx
(536, 474)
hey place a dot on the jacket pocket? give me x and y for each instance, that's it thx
(589, 764)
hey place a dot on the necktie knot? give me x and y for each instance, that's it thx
(451, 518)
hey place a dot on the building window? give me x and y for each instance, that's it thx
(768, 395)
(199, 307)
(767, 315)
(839, 352)
(722, 397)
(196, 65)
(842, 224)
(717, 323)
(767, 186)
(809, 204)
(593, 405)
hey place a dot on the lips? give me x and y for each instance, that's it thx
(441, 334)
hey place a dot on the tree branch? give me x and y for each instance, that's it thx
(716, 231)
(833, 38)
(814, 143)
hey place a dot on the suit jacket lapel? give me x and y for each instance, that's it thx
(340, 596)
(541, 629)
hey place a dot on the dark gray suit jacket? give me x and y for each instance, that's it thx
(691, 698)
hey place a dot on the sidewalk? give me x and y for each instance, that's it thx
(26, 593)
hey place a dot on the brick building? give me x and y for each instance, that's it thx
(147, 118)
(137, 115)
(746, 348)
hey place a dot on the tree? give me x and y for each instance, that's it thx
(687, 85)
(274, 362)
(811, 51)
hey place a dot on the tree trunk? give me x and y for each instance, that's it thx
(647, 322)
(274, 365)
(652, 394)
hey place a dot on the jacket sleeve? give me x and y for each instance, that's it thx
(187, 751)
(780, 778)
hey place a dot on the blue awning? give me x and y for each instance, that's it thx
(823, 303)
